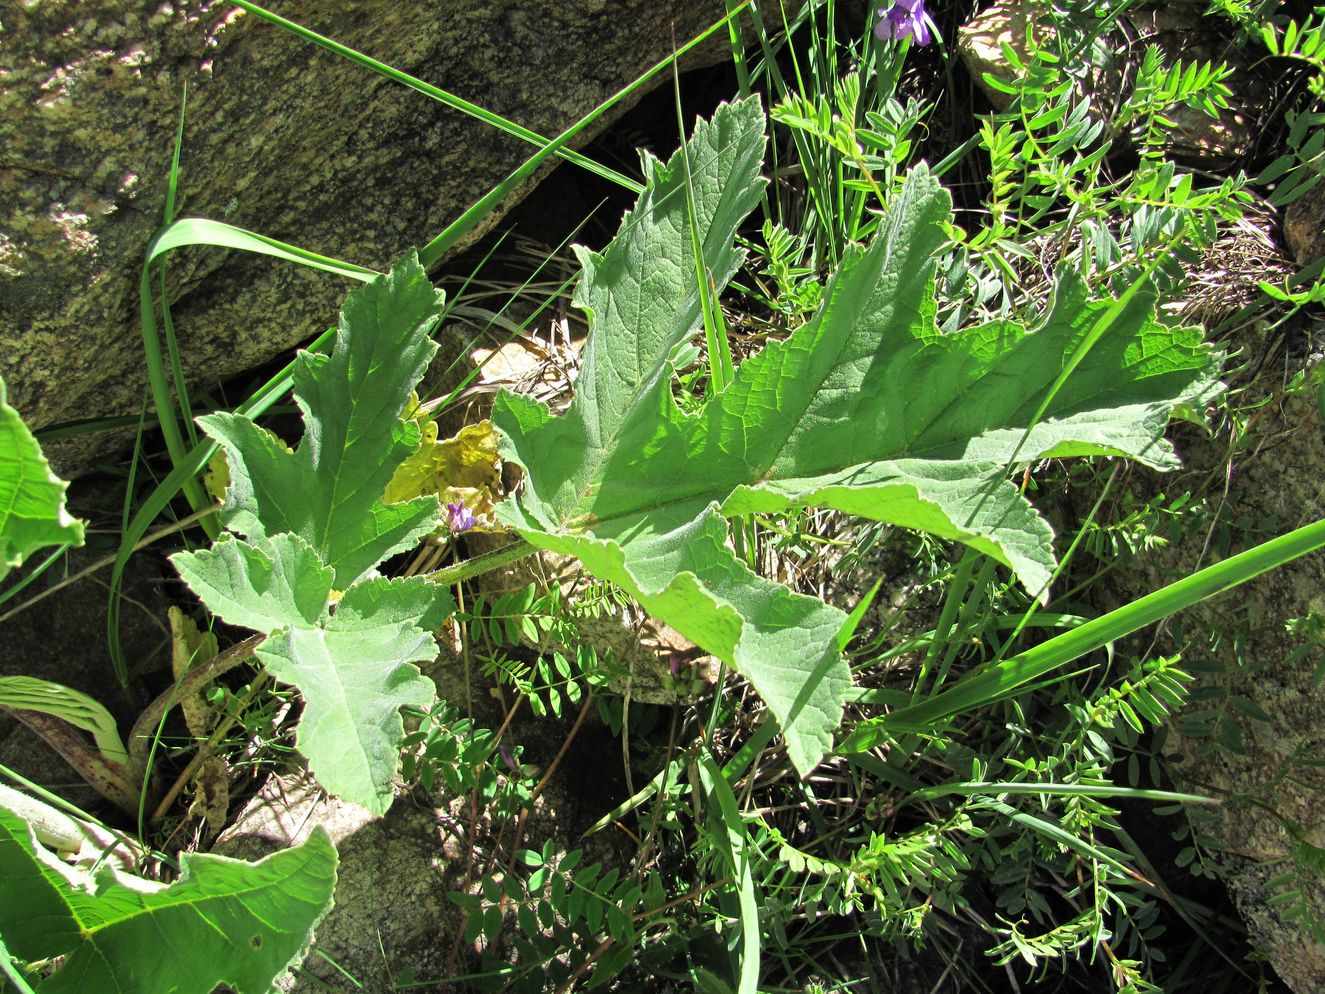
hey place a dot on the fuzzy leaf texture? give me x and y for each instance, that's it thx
(223, 922)
(32, 513)
(355, 668)
(328, 491)
(867, 408)
(317, 522)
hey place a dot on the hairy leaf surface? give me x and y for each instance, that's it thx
(32, 513)
(223, 922)
(317, 522)
(355, 668)
(329, 490)
(867, 408)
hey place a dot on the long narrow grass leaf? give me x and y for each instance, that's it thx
(167, 324)
(442, 96)
(188, 462)
(467, 221)
(734, 843)
(1050, 789)
(1005, 679)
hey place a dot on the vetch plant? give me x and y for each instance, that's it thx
(459, 517)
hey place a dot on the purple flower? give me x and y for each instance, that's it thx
(459, 517)
(904, 19)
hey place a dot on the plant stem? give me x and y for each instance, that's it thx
(11, 971)
(144, 729)
(486, 563)
(113, 781)
(205, 750)
(105, 561)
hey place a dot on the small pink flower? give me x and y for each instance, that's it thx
(459, 517)
(904, 19)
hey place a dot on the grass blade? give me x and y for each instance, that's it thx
(729, 830)
(467, 221)
(440, 95)
(188, 461)
(202, 231)
(1003, 680)
(1055, 789)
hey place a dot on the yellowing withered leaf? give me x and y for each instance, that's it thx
(189, 648)
(464, 469)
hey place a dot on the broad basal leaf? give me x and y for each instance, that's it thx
(223, 922)
(867, 408)
(32, 513)
(642, 301)
(318, 521)
(329, 490)
(30, 693)
(354, 667)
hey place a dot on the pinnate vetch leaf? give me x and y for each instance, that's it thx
(223, 922)
(867, 408)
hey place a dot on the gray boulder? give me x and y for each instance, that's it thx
(1267, 772)
(282, 138)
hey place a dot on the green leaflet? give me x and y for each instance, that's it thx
(32, 513)
(867, 408)
(317, 522)
(329, 490)
(223, 922)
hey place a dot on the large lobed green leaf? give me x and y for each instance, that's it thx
(32, 513)
(355, 668)
(317, 523)
(867, 408)
(329, 490)
(641, 300)
(223, 922)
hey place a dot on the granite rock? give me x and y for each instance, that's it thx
(280, 137)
